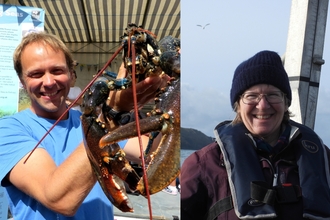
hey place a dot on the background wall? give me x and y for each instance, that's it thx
(89, 64)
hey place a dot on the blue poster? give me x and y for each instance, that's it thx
(3, 205)
(15, 23)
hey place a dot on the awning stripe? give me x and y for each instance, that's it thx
(100, 21)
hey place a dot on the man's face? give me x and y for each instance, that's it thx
(46, 78)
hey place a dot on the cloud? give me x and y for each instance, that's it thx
(203, 109)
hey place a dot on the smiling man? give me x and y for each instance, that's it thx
(46, 77)
(57, 181)
(262, 165)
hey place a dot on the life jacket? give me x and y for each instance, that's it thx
(245, 174)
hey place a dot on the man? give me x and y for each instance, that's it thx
(57, 180)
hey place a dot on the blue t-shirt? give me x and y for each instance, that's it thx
(19, 134)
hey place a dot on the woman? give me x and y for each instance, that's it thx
(74, 93)
(262, 165)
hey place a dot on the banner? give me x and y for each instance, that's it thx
(15, 23)
(3, 204)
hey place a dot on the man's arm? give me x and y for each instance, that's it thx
(60, 188)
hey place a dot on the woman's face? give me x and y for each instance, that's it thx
(73, 80)
(263, 119)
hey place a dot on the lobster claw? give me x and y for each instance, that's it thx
(109, 164)
(165, 164)
(169, 60)
(116, 162)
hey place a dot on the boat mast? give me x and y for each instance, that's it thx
(304, 56)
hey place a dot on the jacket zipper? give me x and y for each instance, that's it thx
(275, 173)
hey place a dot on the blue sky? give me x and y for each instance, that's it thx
(236, 32)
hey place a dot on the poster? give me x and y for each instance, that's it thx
(3, 204)
(15, 22)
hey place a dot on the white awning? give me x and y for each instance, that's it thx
(95, 26)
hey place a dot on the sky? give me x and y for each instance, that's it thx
(236, 32)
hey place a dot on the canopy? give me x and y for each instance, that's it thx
(95, 26)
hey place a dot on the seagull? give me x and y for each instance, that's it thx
(202, 26)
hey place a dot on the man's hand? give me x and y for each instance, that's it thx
(146, 90)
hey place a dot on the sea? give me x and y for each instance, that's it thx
(185, 154)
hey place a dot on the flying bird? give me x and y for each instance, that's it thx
(202, 26)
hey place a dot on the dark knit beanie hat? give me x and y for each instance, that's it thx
(263, 68)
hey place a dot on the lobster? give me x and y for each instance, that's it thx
(142, 56)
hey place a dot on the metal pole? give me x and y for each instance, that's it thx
(304, 56)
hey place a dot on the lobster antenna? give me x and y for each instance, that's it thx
(74, 102)
(137, 119)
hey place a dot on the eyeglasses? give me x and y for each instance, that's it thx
(251, 98)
